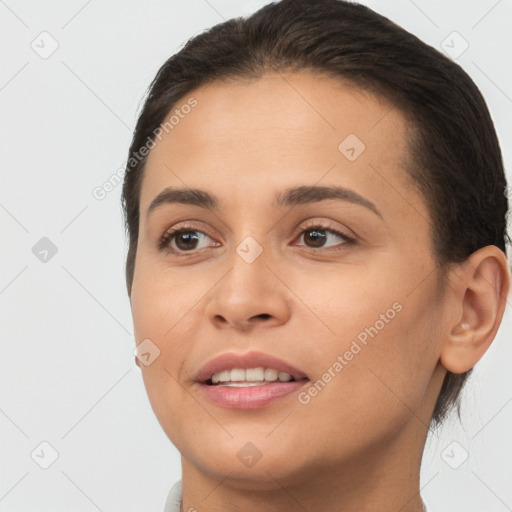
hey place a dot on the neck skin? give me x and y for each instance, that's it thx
(386, 479)
(388, 483)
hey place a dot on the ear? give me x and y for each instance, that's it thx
(480, 286)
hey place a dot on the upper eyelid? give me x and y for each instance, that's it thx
(188, 226)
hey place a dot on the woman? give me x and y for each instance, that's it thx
(315, 206)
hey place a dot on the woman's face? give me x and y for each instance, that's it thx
(360, 319)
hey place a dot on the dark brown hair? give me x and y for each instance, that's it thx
(455, 158)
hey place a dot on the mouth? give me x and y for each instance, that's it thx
(240, 377)
(254, 368)
(248, 380)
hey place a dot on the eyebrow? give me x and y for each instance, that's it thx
(290, 197)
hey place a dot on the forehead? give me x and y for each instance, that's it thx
(279, 130)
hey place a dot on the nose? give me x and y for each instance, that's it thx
(250, 294)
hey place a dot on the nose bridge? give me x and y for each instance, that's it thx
(249, 292)
(248, 281)
(250, 250)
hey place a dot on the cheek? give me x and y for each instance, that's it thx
(160, 299)
(344, 305)
(163, 310)
(375, 360)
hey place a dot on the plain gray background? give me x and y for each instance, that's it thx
(67, 372)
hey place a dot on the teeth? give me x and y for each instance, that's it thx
(237, 375)
(271, 374)
(251, 376)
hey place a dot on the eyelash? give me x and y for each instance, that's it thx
(168, 237)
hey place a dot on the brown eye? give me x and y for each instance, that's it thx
(183, 240)
(317, 236)
(186, 240)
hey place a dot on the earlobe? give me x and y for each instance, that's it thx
(481, 290)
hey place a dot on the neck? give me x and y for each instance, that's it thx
(384, 478)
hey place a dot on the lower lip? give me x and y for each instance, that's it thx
(250, 397)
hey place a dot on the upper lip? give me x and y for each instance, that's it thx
(253, 359)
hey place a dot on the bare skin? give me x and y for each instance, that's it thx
(357, 444)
